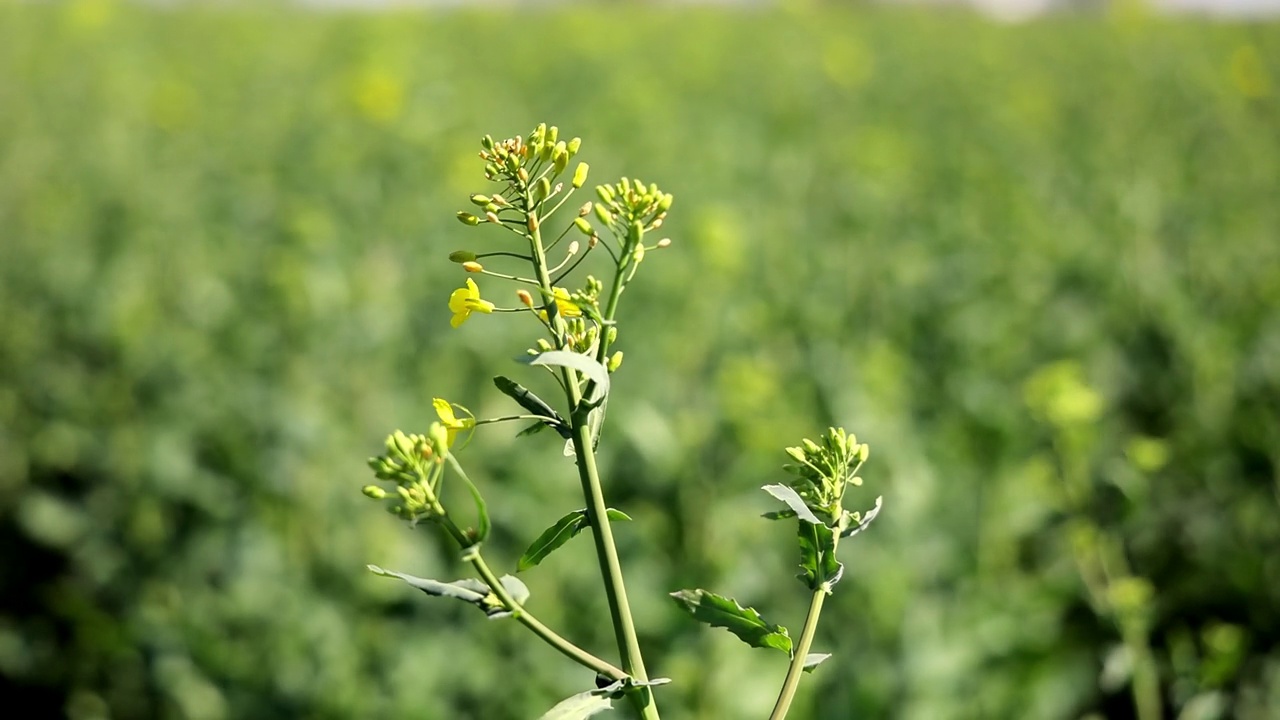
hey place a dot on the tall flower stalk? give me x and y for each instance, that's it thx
(576, 316)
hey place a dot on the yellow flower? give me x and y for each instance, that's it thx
(452, 423)
(565, 306)
(465, 301)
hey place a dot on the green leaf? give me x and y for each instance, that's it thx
(482, 509)
(533, 429)
(532, 403)
(867, 517)
(618, 688)
(515, 587)
(818, 562)
(588, 366)
(779, 514)
(746, 623)
(813, 660)
(559, 534)
(467, 590)
(582, 705)
(793, 501)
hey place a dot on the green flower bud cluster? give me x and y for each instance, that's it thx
(824, 470)
(412, 462)
(631, 202)
(515, 160)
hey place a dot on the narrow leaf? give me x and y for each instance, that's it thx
(582, 705)
(793, 501)
(552, 538)
(813, 660)
(532, 403)
(559, 534)
(867, 517)
(779, 514)
(467, 590)
(594, 371)
(618, 688)
(482, 509)
(746, 623)
(533, 429)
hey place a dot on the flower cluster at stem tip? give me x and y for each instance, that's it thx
(529, 173)
(823, 472)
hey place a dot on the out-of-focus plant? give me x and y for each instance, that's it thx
(577, 317)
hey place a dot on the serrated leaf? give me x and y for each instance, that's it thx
(746, 623)
(558, 534)
(818, 562)
(813, 660)
(867, 517)
(793, 501)
(532, 403)
(582, 705)
(588, 366)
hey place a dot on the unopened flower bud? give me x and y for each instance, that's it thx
(664, 242)
(796, 454)
(665, 203)
(560, 157)
(374, 491)
(491, 207)
(486, 142)
(553, 134)
(580, 175)
(544, 190)
(533, 223)
(543, 345)
(593, 241)
(615, 361)
(573, 247)
(603, 214)
(499, 201)
(523, 175)
(481, 200)
(864, 451)
(585, 210)
(467, 218)
(525, 298)
(583, 226)
(472, 266)
(491, 217)
(657, 223)
(573, 146)
(461, 256)
(605, 193)
(439, 437)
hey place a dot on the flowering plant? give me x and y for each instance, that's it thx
(578, 332)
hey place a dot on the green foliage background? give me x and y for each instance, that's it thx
(223, 281)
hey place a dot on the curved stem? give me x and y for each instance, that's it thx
(798, 657)
(526, 618)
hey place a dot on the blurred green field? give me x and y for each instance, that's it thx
(223, 281)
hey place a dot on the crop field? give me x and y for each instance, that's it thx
(1036, 267)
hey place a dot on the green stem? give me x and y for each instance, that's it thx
(788, 692)
(606, 552)
(526, 618)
